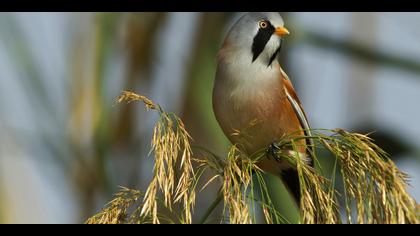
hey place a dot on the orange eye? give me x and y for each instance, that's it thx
(263, 24)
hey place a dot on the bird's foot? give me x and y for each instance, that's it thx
(272, 151)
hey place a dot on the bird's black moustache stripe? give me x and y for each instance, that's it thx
(273, 57)
(260, 40)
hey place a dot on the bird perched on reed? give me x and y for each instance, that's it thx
(254, 101)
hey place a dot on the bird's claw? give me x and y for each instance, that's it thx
(272, 151)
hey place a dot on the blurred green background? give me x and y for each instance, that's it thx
(65, 147)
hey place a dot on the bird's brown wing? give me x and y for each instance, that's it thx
(300, 113)
(290, 176)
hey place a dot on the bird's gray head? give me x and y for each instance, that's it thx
(258, 34)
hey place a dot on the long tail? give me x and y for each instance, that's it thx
(291, 180)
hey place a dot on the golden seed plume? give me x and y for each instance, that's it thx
(375, 190)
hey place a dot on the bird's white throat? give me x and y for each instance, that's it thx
(243, 77)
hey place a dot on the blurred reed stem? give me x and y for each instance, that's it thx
(212, 207)
(359, 51)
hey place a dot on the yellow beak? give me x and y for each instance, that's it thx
(281, 31)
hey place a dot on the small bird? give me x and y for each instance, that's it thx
(254, 101)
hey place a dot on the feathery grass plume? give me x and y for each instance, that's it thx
(237, 177)
(270, 213)
(236, 174)
(371, 180)
(239, 189)
(131, 96)
(116, 212)
(125, 208)
(170, 143)
(318, 203)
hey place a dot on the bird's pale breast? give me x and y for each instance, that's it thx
(253, 112)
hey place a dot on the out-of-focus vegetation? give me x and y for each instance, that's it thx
(67, 147)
